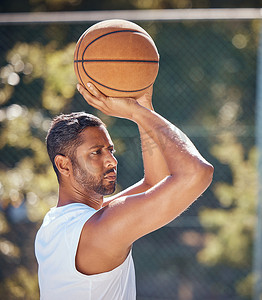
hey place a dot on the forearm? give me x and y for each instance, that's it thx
(155, 167)
(178, 151)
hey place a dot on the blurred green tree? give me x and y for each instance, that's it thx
(27, 182)
(230, 229)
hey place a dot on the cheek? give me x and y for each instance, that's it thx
(92, 166)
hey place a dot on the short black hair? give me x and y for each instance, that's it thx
(63, 136)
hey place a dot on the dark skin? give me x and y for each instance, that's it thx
(175, 176)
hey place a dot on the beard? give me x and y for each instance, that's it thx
(90, 182)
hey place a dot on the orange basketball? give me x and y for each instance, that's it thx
(118, 57)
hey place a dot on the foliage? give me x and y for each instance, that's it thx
(28, 185)
(24, 128)
(230, 229)
(21, 285)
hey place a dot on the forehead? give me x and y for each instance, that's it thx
(92, 136)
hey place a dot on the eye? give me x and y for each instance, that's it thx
(97, 152)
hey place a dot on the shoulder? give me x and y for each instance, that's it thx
(98, 251)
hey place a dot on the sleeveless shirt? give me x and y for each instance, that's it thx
(55, 249)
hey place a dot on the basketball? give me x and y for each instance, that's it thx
(119, 57)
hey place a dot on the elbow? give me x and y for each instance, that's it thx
(205, 174)
(199, 178)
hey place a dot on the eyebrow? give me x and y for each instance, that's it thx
(101, 146)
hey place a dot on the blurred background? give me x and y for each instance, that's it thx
(207, 85)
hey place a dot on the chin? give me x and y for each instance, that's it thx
(107, 190)
(111, 191)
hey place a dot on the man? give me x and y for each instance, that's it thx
(84, 244)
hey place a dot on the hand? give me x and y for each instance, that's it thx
(117, 107)
(146, 99)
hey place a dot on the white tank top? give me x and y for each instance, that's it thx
(55, 248)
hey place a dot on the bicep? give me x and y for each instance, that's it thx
(130, 217)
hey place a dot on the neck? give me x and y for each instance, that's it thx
(67, 196)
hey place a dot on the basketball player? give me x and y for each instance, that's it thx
(84, 246)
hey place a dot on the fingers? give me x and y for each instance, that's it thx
(92, 95)
(95, 92)
(92, 90)
(118, 107)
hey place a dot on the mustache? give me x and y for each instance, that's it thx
(110, 171)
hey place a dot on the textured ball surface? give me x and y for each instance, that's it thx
(118, 57)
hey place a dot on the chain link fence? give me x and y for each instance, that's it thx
(206, 85)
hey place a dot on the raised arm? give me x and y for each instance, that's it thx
(124, 220)
(155, 167)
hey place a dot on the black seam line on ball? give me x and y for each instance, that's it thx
(117, 90)
(115, 60)
(77, 65)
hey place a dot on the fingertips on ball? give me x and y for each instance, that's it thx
(79, 87)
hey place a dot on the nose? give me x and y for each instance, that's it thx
(111, 161)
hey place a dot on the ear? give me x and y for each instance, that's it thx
(63, 164)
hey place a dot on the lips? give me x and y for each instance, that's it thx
(111, 178)
(111, 175)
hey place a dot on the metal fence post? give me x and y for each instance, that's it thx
(258, 236)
